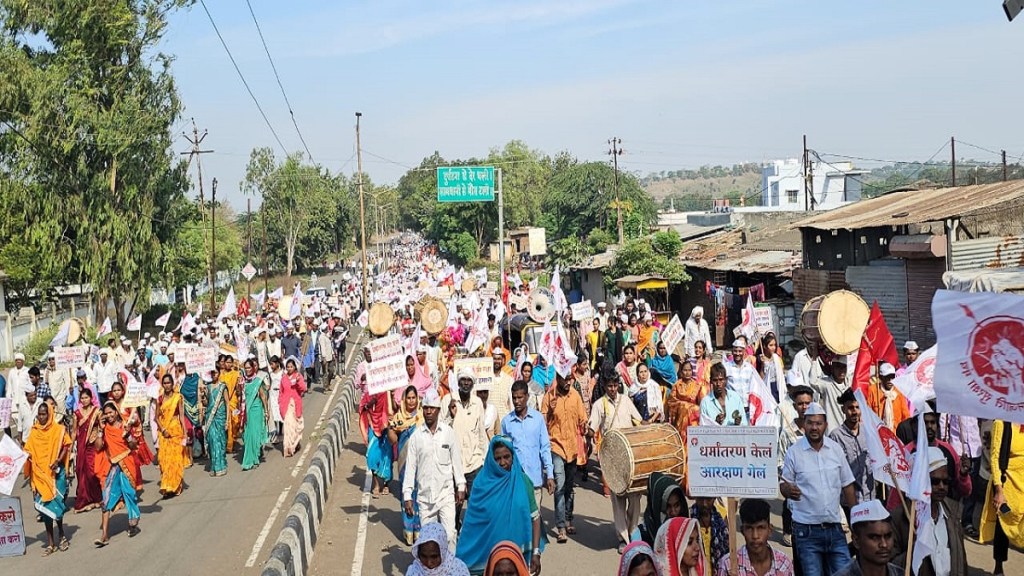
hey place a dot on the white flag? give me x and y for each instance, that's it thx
(277, 294)
(747, 327)
(241, 345)
(61, 339)
(260, 298)
(363, 319)
(565, 357)
(979, 368)
(921, 492)
(764, 410)
(548, 343)
(13, 458)
(163, 320)
(135, 324)
(187, 323)
(230, 306)
(886, 454)
(917, 381)
(104, 328)
(296, 308)
(199, 311)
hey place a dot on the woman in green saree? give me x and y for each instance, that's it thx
(256, 413)
(215, 424)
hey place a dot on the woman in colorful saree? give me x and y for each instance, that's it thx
(678, 550)
(506, 560)
(87, 427)
(49, 447)
(132, 418)
(193, 422)
(114, 454)
(501, 507)
(293, 386)
(215, 425)
(638, 560)
(173, 447)
(400, 428)
(374, 411)
(256, 414)
(231, 378)
(682, 407)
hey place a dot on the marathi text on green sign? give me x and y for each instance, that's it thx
(465, 184)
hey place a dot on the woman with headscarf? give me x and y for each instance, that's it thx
(696, 329)
(400, 428)
(132, 417)
(431, 555)
(638, 559)
(506, 560)
(49, 448)
(714, 531)
(501, 507)
(682, 407)
(293, 386)
(173, 447)
(663, 366)
(114, 452)
(87, 427)
(374, 412)
(257, 403)
(665, 500)
(678, 550)
(215, 426)
(417, 378)
(274, 398)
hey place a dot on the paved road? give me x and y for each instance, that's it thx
(221, 525)
(363, 536)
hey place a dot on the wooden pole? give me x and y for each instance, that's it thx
(910, 540)
(730, 504)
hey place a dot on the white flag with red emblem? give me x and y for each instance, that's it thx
(163, 320)
(135, 324)
(979, 368)
(886, 454)
(764, 410)
(104, 328)
(917, 381)
(921, 493)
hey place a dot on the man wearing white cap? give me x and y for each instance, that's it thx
(59, 381)
(434, 469)
(465, 413)
(17, 381)
(910, 353)
(739, 372)
(829, 387)
(27, 411)
(325, 355)
(105, 374)
(816, 479)
(886, 400)
(602, 315)
(501, 388)
(697, 329)
(948, 557)
(874, 538)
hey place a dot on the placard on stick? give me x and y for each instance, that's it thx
(386, 375)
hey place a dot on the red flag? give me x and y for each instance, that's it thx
(877, 345)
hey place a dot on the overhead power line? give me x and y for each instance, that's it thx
(279, 84)
(242, 77)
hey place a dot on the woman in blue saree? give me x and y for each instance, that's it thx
(501, 507)
(374, 411)
(215, 425)
(193, 422)
(400, 428)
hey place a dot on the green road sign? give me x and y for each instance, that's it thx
(465, 184)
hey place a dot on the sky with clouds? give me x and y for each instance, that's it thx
(682, 83)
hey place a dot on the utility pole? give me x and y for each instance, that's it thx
(616, 151)
(807, 197)
(196, 152)
(213, 247)
(248, 252)
(952, 155)
(266, 265)
(362, 209)
(501, 238)
(1004, 165)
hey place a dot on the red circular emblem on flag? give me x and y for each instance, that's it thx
(997, 354)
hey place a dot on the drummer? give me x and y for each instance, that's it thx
(613, 412)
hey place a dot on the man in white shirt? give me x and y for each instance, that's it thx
(17, 382)
(602, 315)
(829, 387)
(59, 381)
(696, 329)
(739, 373)
(27, 411)
(434, 469)
(465, 413)
(105, 374)
(816, 478)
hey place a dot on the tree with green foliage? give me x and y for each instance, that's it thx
(649, 255)
(568, 251)
(89, 175)
(581, 198)
(460, 247)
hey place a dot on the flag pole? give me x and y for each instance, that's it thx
(899, 492)
(910, 539)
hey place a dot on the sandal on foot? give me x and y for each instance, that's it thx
(133, 531)
(570, 529)
(100, 543)
(47, 550)
(65, 544)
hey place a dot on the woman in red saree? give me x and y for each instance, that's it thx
(132, 419)
(682, 407)
(87, 428)
(114, 463)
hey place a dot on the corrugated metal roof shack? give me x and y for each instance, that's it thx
(729, 261)
(896, 247)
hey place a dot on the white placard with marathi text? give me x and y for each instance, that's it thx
(733, 461)
(482, 368)
(520, 302)
(764, 319)
(135, 395)
(582, 311)
(200, 359)
(12, 459)
(672, 335)
(12, 528)
(386, 375)
(386, 347)
(65, 357)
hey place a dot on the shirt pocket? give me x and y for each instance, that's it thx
(444, 455)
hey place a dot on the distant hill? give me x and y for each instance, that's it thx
(695, 189)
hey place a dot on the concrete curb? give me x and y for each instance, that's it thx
(293, 550)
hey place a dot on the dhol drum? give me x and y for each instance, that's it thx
(836, 320)
(629, 456)
(382, 318)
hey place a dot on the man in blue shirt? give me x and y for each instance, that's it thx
(723, 406)
(530, 438)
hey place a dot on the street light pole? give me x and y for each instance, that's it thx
(362, 210)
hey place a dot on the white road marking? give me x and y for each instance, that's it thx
(364, 512)
(266, 528)
(323, 414)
